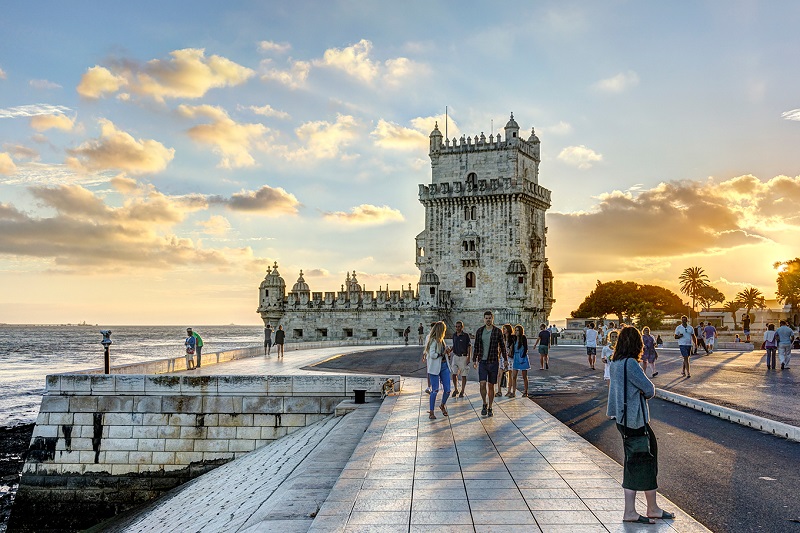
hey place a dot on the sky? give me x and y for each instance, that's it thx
(156, 157)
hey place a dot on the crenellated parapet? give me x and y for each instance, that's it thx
(478, 189)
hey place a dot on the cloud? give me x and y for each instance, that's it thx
(46, 122)
(794, 114)
(366, 214)
(188, 73)
(270, 201)
(36, 173)
(619, 83)
(2, 74)
(21, 152)
(215, 225)
(562, 128)
(24, 111)
(232, 140)
(293, 78)
(99, 82)
(116, 149)
(580, 156)
(268, 111)
(353, 60)
(44, 84)
(270, 46)
(356, 62)
(323, 139)
(676, 219)
(425, 125)
(87, 232)
(394, 136)
(7, 166)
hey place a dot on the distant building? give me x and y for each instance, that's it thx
(483, 247)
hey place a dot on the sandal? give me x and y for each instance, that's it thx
(665, 515)
(444, 410)
(513, 395)
(431, 416)
(642, 520)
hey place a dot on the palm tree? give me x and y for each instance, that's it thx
(693, 279)
(750, 298)
(731, 307)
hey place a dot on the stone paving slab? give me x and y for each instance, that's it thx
(522, 469)
(279, 487)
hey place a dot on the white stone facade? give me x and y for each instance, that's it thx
(483, 247)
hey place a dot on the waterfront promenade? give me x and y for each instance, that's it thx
(520, 470)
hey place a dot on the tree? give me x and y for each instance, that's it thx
(693, 279)
(647, 304)
(788, 282)
(731, 307)
(709, 296)
(750, 298)
(613, 297)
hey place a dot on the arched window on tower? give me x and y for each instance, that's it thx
(471, 246)
(470, 279)
(465, 246)
(466, 212)
(433, 291)
(474, 213)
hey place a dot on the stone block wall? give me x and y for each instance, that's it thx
(106, 443)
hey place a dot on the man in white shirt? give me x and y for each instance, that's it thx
(685, 335)
(590, 340)
(785, 337)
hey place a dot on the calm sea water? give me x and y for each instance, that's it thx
(29, 353)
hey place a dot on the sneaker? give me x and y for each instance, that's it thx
(489, 412)
(428, 390)
(498, 394)
(783, 365)
(461, 395)
(483, 411)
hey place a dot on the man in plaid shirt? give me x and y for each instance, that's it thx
(489, 346)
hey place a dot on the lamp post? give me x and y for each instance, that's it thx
(106, 342)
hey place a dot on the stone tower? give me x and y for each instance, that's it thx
(484, 241)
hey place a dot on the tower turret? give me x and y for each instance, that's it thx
(436, 139)
(512, 130)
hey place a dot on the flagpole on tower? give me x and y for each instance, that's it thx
(445, 122)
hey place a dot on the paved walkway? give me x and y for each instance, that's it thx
(519, 470)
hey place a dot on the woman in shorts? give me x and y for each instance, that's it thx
(505, 364)
(649, 355)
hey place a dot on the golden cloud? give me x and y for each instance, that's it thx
(366, 214)
(21, 152)
(674, 219)
(354, 60)
(270, 46)
(116, 149)
(230, 139)
(85, 231)
(394, 136)
(99, 82)
(46, 122)
(7, 165)
(2, 74)
(188, 73)
(215, 225)
(270, 201)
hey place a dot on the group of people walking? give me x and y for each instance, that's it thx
(497, 351)
(500, 355)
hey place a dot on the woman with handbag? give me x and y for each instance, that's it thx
(627, 394)
(771, 345)
(435, 356)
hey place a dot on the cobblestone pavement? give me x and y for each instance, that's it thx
(518, 470)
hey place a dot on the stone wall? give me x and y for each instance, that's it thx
(106, 443)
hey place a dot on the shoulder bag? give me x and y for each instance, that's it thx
(633, 444)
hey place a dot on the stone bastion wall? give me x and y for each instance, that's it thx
(107, 443)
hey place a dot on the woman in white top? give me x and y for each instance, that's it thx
(438, 370)
(608, 352)
(771, 345)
